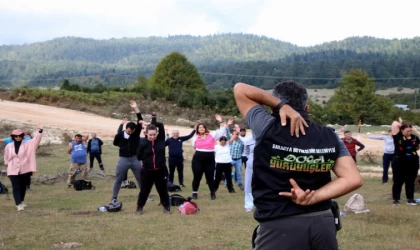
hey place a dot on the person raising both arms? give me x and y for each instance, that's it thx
(203, 160)
(151, 152)
(19, 157)
(223, 160)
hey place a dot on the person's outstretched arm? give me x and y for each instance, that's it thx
(396, 126)
(187, 137)
(361, 146)
(161, 134)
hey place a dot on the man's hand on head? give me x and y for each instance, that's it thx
(297, 123)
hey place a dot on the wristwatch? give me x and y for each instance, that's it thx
(282, 102)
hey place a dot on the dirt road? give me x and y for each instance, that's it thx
(63, 119)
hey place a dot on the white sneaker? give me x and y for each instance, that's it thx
(23, 204)
(149, 199)
(20, 207)
(248, 210)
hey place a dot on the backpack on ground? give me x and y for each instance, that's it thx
(80, 185)
(355, 204)
(3, 189)
(129, 185)
(189, 207)
(173, 188)
(176, 200)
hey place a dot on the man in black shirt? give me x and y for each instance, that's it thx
(128, 142)
(291, 184)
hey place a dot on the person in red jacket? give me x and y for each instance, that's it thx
(351, 144)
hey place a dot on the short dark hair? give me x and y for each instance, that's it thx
(346, 132)
(151, 127)
(78, 135)
(295, 93)
(223, 138)
(131, 125)
(242, 129)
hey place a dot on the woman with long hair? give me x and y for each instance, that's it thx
(203, 160)
(405, 163)
(19, 157)
(223, 161)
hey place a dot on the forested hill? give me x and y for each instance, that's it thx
(120, 61)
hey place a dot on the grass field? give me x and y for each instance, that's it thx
(56, 214)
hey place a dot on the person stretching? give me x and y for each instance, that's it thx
(223, 161)
(203, 159)
(151, 152)
(176, 158)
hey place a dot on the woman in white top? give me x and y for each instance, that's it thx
(223, 162)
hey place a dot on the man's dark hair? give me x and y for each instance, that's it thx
(242, 130)
(131, 125)
(295, 93)
(223, 138)
(346, 132)
(78, 135)
(151, 127)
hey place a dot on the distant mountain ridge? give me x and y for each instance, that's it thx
(120, 61)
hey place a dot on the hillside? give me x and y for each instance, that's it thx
(120, 61)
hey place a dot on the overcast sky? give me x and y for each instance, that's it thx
(301, 22)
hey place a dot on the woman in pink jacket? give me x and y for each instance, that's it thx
(19, 157)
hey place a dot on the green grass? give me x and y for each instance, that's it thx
(56, 214)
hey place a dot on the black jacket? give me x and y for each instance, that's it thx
(100, 145)
(128, 147)
(152, 153)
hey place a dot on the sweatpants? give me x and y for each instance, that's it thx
(73, 172)
(19, 184)
(404, 171)
(203, 163)
(123, 165)
(97, 156)
(303, 233)
(386, 161)
(178, 164)
(160, 179)
(226, 169)
(249, 199)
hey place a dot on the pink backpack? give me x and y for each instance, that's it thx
(188, 207)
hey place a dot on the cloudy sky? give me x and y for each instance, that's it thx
(301, 22)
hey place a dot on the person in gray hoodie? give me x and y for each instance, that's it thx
(388, 153)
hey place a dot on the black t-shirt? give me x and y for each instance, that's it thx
(279, 157)
(405, 147)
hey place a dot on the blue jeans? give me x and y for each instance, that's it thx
(386, 160)
(238, 170)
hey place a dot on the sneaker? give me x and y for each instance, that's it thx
(114, 200)
(241, 187)
(411, 202)
(396, 203)
(232, 191)
(139, 211)
(20, 207)
(213, 196)
(167, 210)
(194, 196)
(23, 204)
(149, 199)
(182, 185)
(90, 170)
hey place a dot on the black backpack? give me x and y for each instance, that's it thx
(80, 185)
(176, 200)
(3, 189)
(173, 188)
(130, 185)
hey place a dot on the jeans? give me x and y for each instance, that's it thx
(386, 161)
(238, 170)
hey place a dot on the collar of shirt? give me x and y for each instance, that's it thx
(126, 136)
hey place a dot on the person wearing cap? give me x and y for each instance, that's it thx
(94, 149)
(78, 158)
(19, 157)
